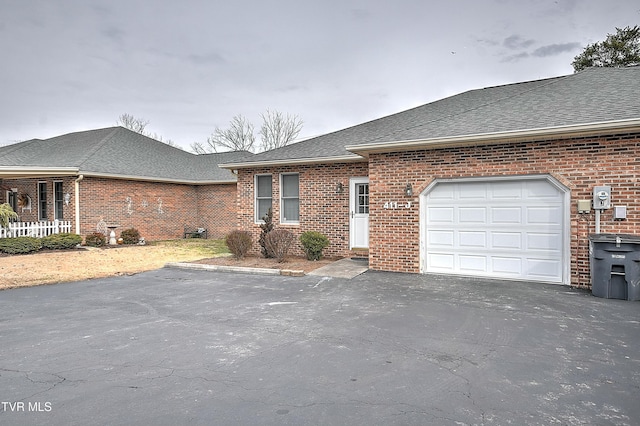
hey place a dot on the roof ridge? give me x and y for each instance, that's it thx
(97, 146)
(552, 80)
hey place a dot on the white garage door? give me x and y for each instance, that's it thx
(501, 228)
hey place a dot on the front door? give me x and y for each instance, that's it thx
(359, 213)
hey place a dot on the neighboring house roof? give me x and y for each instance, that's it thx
(114, 152)
(596, 99)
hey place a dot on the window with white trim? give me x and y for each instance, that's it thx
(58, 200)
(289, 198)
(42, 200)
(12, 199)
(264, 196)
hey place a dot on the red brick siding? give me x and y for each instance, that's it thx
(217, 209)
(321, 208)
(580, 164)
(157, 210)
(30, 187)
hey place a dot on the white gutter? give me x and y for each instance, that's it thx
(293, 161)
(498, 137)
(76, 199)
(155, 179)
(17, 172)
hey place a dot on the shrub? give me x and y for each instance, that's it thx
(130, 236)
(239, 243)
(61, 241)
(266, 226)
(278, 243)
(20, 245)
(97, 239)
(313, 243)
(6, 214)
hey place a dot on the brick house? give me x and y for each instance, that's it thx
(123, 178)
(483, 183)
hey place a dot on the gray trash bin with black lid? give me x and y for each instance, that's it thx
(615, 266)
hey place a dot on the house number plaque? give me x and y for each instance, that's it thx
(394, 205)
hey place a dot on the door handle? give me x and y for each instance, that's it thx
(351, 214)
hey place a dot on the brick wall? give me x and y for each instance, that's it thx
(217, 209)
(580, 164)
(30, 187)
(157, 210)
(321, 208)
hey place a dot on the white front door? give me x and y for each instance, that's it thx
(359, 213)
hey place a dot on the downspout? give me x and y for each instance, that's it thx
(77, 202)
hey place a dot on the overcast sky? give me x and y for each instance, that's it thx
(188, 66)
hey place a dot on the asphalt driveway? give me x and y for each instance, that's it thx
(195, 347)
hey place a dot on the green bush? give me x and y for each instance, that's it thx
(239, 243)
(130, 236)
(313, 243)
(20, 245)
(97, 239)
(61, 241)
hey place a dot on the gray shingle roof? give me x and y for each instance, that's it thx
(591, 96)
(120, 152)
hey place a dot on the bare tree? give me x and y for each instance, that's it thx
(238, 137)
(139, 125)
(132, 123)
(278, 130)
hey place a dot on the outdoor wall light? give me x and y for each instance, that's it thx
(408, 190)
(67, 198)
(339, 188)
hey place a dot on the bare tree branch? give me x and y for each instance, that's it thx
(139, 125)
(238, 137)
(130, 122)
(278, 130)
(198, 148)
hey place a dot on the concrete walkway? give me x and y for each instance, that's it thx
(343, 268)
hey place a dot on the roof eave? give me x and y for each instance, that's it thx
(293, 161)
(24, 172)
(559, 132)
(156, 179)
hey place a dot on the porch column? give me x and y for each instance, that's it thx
(76, 199)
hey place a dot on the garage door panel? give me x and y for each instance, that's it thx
(506, 215)
(542, 190)
(441, 214)
(547, 242)
(543, 215)
(507, 266)
(545, 269)
(503, 228)
(442, 238)
(441, 262)
(472, 239)
(472, 214)
(506, 190)
(441, 193)
(473, 264)
(477, 191)
(506, 240)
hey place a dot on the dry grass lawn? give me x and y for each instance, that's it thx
(74, 265)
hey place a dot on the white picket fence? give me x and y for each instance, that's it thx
(35, 229)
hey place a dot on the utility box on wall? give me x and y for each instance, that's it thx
(601, 197)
